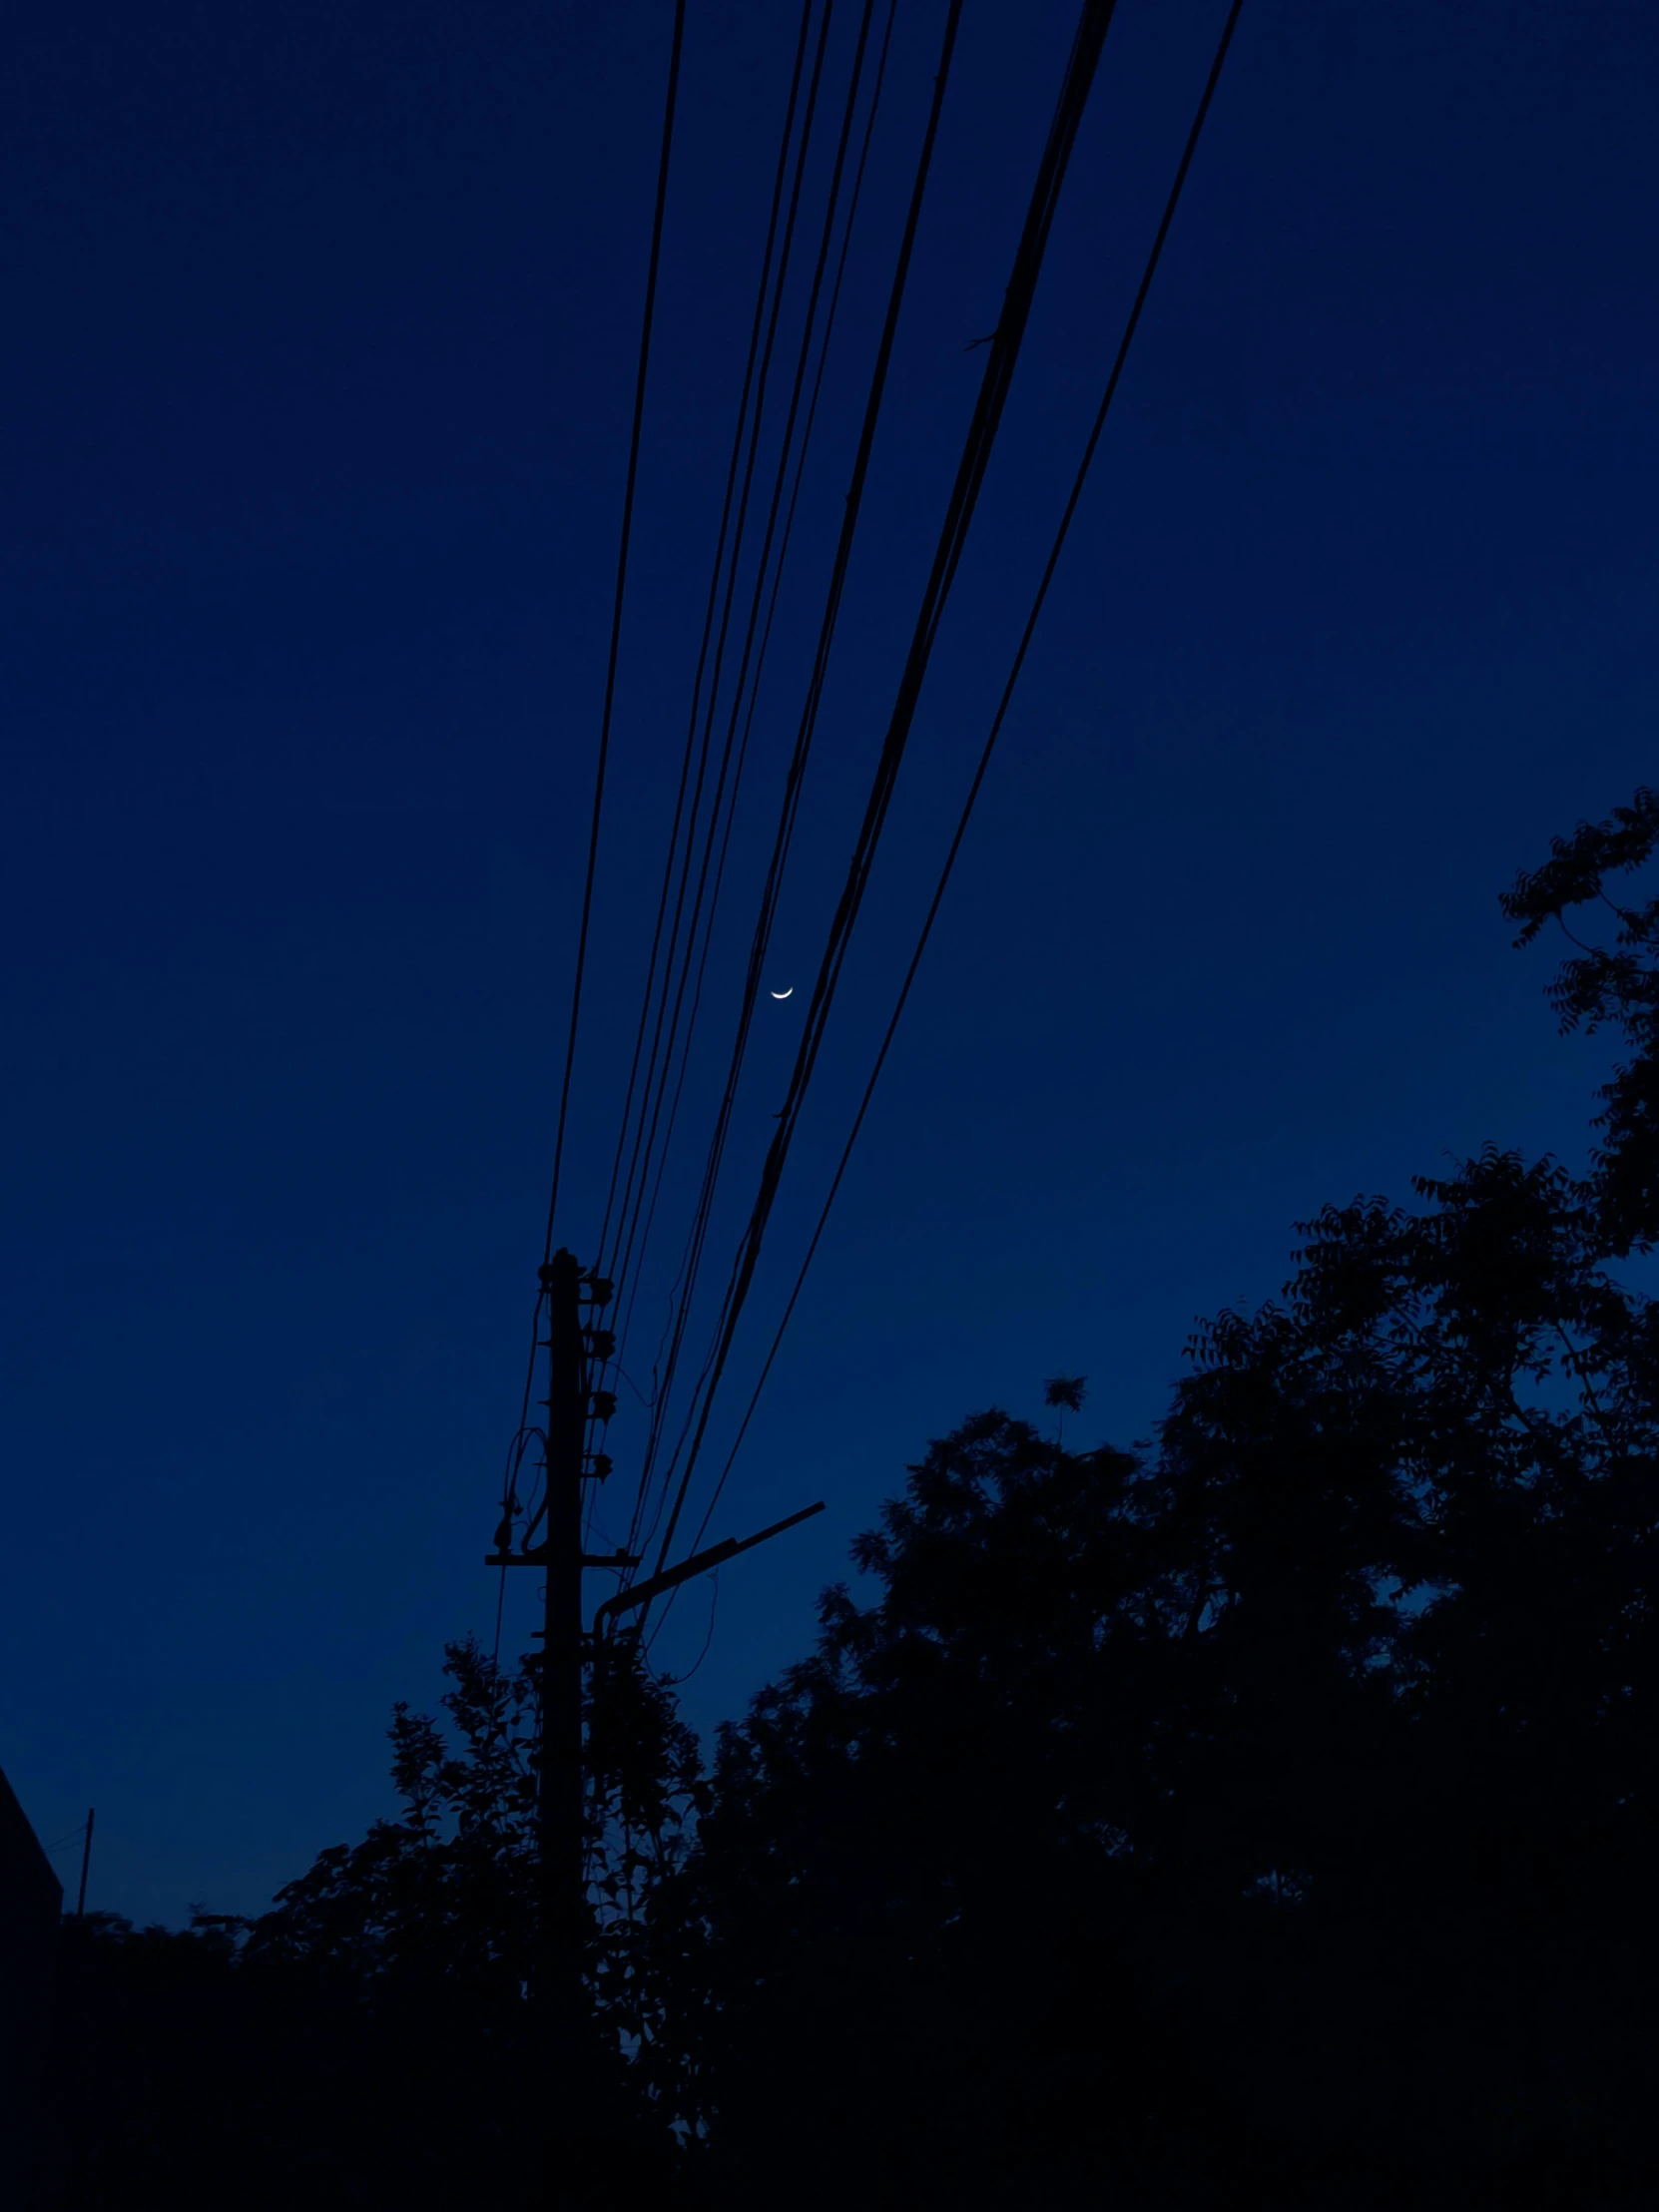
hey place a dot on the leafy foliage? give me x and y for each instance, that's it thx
(440, 1907)
(446, 1893)
(1272, 1811)
(1616, 985)
(371, 2038)
(1066, 1393)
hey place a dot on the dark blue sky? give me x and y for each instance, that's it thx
(315, 389)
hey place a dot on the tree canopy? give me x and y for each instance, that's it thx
(1279, 1798)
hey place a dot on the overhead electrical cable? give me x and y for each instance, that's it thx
(631, 1267)
(649, 1138)
(1004, 355)
(617, 605)
(733, 755)
(763, 600)
(851, 508)
(625, 539)
(1004, 347)
(710, 661)
(689, 754)
(1061, 533)
(779, 566)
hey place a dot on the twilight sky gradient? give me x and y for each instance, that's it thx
(322, 327)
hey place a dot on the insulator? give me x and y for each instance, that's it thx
(597, 1289)
(601, 1343)
(599, 1465)
(602, 1403)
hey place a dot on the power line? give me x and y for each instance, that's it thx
(616, 611)
(1004, 355)
(730, 763)
(685, 1280)
(647, 316)
(673, 1681)
(1051, 565)
(851, 510)
(659, 1068)
(784, 546)
(749, 367)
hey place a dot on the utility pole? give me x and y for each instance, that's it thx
(558, 1987)
(576, 2131)
(576, 2120)
(560, 1804)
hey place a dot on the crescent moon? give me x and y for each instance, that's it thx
(783, 994)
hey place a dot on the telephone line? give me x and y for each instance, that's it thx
(621, 591)
(631, 481)
(646, 1135)
(632, 1268)
(1004, 350)
(851, 510)
(1053, 564)
(689, 754)
(732, 756)
(647, 1167)
(746, 696)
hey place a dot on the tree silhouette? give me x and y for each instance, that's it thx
(1066, 1392)
(433, 1917)
(1620, 987)
(370, 2039)
(1275, 1814)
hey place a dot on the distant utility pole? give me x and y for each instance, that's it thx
(86, 1861)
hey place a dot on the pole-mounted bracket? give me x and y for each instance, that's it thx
(641, 1594)
(538, 1558)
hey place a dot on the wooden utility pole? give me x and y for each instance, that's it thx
(578, 2128)
(563, 1888)
(559, 1988)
